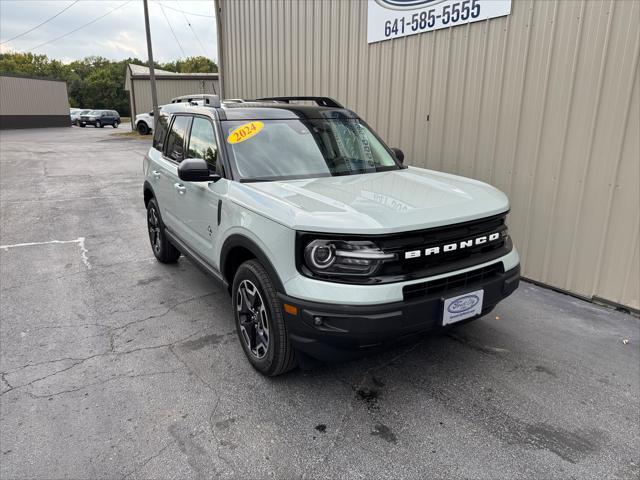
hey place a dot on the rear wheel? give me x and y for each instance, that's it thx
(259, 321)
(115, 124)
(143, 128)
(162, 248)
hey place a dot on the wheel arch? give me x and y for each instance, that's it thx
(148, 193)
(236, 250)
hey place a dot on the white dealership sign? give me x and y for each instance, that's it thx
(398, 18)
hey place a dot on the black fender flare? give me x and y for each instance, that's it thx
(238, 240)
(146, 187)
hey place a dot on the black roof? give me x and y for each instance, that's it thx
(278, 110)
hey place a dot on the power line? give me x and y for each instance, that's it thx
(82, 26)
(171, 28)
(204, 51)
(189, 13)
(41, 24)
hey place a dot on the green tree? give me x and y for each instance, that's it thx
(191, 65)
(94, 82)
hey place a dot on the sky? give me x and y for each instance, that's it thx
(117, 36)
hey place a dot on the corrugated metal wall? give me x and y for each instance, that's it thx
(544, 104)
(30, 96)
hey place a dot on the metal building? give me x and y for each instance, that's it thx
(27, 102)
(168, 84)
(543, 103)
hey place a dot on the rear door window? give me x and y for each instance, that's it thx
(174, 148)
(202, 142)
(160, 133)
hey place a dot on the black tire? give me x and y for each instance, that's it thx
(162, 248)
(143, 128)
(278, 357)
(99, 124)
(115, 124)
(82, 125)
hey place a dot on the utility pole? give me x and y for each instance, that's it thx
(220, 38)
(152, 73)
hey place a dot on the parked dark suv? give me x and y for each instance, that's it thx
(100, 118)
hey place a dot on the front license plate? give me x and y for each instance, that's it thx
(462, 307)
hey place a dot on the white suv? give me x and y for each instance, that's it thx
(143, 122)
(329, 245)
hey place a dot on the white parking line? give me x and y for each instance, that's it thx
(79, 241)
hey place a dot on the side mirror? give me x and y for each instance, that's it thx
(196, 170)
(398, 153)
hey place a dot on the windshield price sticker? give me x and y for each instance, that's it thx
(389, 19)
(244, 132)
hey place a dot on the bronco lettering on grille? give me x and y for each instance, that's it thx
(450, 247)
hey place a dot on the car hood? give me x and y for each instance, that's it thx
(383, 202)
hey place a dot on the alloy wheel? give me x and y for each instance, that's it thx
(154, 229)
(254, 321)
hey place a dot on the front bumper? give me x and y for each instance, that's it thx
(349, 331)
(86, 122)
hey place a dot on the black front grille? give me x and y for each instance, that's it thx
(453, 282)
(427, 265)
(402, 268)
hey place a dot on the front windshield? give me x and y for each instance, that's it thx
(84, 112)
(94, 112)
(280, 149)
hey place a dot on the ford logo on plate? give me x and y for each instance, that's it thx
(407, 4)
(463, 304)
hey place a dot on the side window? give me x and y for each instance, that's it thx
(174, 148)
(202, 143)
(160, 132)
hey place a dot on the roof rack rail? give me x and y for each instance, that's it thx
(321, 101)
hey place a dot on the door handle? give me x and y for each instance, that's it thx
(156, 174)
(181, 188)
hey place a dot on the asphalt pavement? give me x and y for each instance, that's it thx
(116, 366)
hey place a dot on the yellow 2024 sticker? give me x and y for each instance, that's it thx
(245, 132)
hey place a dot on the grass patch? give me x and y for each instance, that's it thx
(131, 134)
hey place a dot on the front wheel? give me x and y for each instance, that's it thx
(143, 129)
(98, 124)
(259, 321)
(162, 248)
(115, 124)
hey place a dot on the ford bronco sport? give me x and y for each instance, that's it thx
(328, 244)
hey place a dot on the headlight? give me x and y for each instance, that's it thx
(342, 257)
